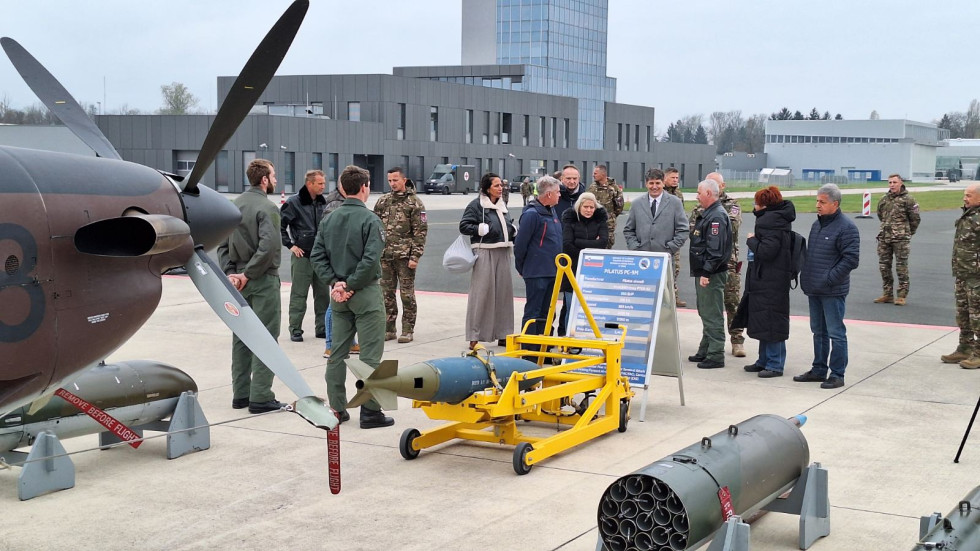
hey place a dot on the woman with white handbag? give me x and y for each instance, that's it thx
(490, 306)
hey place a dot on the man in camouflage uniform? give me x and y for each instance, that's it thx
(527, 189)
(672, 179)
(405, 227)
(609, 196)
(733, 286)
(966, 281)
(899, 216)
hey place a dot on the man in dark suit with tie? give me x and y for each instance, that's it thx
(656, 221)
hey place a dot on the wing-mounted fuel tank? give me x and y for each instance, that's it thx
(134, 393)
(51, 291)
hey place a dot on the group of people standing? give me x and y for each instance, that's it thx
(353, 259)
(562, 216)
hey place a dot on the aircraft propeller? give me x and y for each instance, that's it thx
(209, 215)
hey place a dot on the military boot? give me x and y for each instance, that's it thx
(883, 298)
(956, 357)
(738, 350)
(972, 363)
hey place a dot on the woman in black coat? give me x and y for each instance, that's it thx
(767, 283)
(584, 226)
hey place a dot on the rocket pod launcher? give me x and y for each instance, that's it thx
(699, 493)
(483, 395)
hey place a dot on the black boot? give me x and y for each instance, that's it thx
(371, 419)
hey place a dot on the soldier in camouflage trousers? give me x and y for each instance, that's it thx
(403, 219)
(609, 196)
(733, 287)
(966, 281)
(899, 216)
(672, 179)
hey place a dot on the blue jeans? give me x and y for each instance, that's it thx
(538, 291)
(772, 355)
(829, 335)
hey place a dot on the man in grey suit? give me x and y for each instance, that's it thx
(656, 222)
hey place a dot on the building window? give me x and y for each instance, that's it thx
(527, 130)
(289, 172)
(400, 133)
(317, 162)
(316, 109)
(505, 127)
(433, 124)
(486, 127)
(649, 139)
(636, 137)
(332, 171)
(421, 168)
(543, 130)
(619, 137)
(554, 132)
(565, 138)
(468, 128)
(627, 141)
(353, 110)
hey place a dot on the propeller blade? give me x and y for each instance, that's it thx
(54, 96)
(231, 307)
(249, 85)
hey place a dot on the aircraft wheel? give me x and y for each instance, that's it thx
(405, 443)
(520, 458)
(624, 414)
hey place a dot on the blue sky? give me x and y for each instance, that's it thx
(901, 58)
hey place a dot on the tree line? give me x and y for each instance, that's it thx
(730, 131)
(177, 100)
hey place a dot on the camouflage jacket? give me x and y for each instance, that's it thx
(966, 245)
(899, 215)
(405, 226)
(734, 214)
(676, 192)
(609, 196)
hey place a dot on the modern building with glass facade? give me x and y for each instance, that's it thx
(531, 96)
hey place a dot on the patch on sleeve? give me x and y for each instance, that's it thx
(424, 219)
(736, 210)
(915, 208)
(715, 228)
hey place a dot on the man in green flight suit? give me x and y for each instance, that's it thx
(250, 258)
(347, 256)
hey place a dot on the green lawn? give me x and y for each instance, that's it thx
(931, 200)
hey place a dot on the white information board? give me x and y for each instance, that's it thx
(634, 289)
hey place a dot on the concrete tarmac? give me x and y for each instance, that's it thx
(887, 439)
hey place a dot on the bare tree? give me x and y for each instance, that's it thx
(177, 99)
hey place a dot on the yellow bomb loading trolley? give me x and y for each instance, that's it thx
(483, 395)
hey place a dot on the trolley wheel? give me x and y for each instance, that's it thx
(520, 458)
(445, 190)
(624, 414)
(405, 444)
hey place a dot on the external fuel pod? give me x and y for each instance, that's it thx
(680, 501)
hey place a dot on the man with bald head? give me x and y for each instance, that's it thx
(966, 281)
(733, 286)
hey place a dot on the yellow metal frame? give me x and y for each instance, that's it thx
(491, 415)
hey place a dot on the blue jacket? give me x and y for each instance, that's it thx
(538, 241)
(832, 251)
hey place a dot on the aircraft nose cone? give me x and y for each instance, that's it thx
(211, 216)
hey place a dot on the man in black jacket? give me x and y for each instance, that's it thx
(301, 216)
(711, 247)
